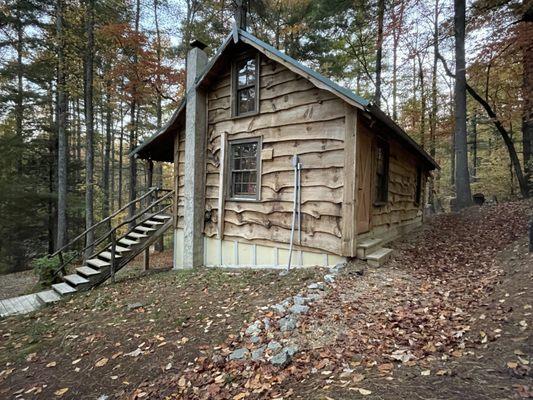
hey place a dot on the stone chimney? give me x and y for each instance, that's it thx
(195, 159)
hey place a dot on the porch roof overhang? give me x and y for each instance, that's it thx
(159, 147)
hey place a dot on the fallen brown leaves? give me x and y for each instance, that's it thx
(417, 308)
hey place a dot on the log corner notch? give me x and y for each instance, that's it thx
(349, 203)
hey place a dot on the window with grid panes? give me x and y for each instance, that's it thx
(244, 169)
(245, 86)
(382, 173)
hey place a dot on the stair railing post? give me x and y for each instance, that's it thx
(113, 251)
(62, 263)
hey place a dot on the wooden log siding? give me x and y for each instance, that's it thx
(294, 117)
(400, 208)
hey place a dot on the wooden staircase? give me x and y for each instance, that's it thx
(114, 252)
(373, 252)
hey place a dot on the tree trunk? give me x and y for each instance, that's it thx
(462, 176)
(52, 237)
(526, 33)
(379, 52)
(19, 100)
(473, 124)
(107, 152)
(121, 156)
(422, 102)
(159, 244)
(133, 122)
(433, 118)
(89, 127)
(62, 144)
(397, 17)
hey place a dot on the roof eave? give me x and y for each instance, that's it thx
(389, 122)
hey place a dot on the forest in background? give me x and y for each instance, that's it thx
(83, 82)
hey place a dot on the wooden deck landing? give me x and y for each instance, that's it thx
(19, 305)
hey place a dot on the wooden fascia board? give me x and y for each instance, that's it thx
(349, 203)
(303, 74)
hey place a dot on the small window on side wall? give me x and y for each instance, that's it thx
(381, 194)
(418, 190)
(245, 86)
(244, 169)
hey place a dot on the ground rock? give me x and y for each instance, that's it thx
(287, 324)
(291, 350)
(299, 309)
(316, 286)
(279, 308)
(238, 354)
(134, 306)
(273, 345)
(254, 328)
(281, 359)
(257, 354)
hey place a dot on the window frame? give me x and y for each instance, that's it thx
(230, 196)
(384, 185)
(235, 86)
(418, 186)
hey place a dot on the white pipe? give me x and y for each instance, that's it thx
(295, 208)
(299, 166)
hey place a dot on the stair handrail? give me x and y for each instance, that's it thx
(93, 227)
(113, 231)
(134, 217)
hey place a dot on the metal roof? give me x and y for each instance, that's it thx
(317, 79)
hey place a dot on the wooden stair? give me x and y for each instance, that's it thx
(97, 268)
(373, 252)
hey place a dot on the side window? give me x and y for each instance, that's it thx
(418, 190)
(382, 173)
(245, 86)
(244, 169)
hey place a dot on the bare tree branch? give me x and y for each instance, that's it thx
(499, 126)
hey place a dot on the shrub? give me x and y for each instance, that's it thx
(46, 266)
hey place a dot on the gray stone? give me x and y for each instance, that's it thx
(253, 329)
(338, 267)
(287, 302)
(299, 309)
(257, 354)
(255, 339)
(279, 308)
(299, 300)
(134, 306)
(313, 297)
(316, 286)
(291, 350)
(281, 359)
(287, 324)
(329, 278)
(273, 345)
(238, 354)
(267, 324)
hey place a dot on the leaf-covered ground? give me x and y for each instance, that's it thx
(448, 318)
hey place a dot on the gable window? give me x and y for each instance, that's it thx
(245, 86)
(382, 173)
(244, 164)
(418, 190)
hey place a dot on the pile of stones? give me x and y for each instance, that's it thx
(269, 339)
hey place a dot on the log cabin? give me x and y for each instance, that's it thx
(275, 164)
